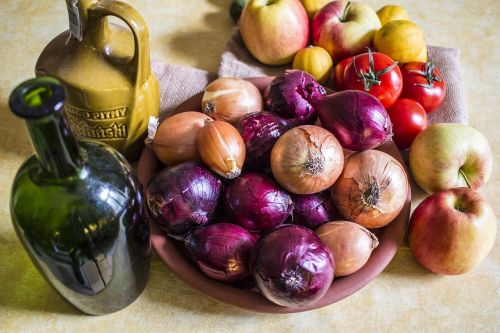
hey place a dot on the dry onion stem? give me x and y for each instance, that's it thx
(372, 189)
(221, 148)
(307, 159)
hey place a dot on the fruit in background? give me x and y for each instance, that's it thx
(344, 28)
(377, 74)
(236, 9)
(423, 83)
(390, 13)
(314, 60)
(313, 6)
(408, 120)
(338, 78)
(452, 231)
(446, 156)
(274, 30)
(401, 40)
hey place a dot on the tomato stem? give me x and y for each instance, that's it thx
(371, 77)
(428, 74)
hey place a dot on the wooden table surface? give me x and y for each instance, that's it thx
(405, 297)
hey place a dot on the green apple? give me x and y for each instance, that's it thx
(446, 156)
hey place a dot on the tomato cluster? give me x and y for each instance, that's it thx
(408, 92)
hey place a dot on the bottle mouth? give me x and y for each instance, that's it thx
(37, 98)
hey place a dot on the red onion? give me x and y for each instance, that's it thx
(292, 266)
(256, 202)
(260, 131)
(313, 210)
(222, 250)
(357, 119)
(182, 196)
(292, 94)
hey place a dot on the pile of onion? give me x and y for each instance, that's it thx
(236, 231)
(371, 190)
(230, 99)
(307, 159)
(182, 197)
(292, 95)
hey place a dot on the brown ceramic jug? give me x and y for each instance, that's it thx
(111, 92)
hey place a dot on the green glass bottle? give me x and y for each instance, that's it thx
(78, 208)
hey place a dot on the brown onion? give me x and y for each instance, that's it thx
(174, 139)
(350, 243)
(221, 148)
(372, 189)
(307, 159)
(230, 99)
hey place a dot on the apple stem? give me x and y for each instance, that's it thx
(344, 13)
(465, 177)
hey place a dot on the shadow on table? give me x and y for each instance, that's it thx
(21, 285)
(165, 288)
(205, 46)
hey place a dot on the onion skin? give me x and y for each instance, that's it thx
(357, 119)
(292, 95)
(256, 202)
(350, 243)
(175, 138)
(372, 189)
(181, 197)
(307, 159)
(313, 210)
(260, 131)
(230, 99)
(292, 266)
(222, 251)
(221, 148)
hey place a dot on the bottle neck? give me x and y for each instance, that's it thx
(39, 102)
(54, 144)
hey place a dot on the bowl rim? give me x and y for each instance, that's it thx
(390, 238)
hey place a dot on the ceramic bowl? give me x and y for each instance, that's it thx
(390, 238)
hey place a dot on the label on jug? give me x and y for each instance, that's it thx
(105, 124)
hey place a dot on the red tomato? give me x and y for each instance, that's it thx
(424, 83)
(376, 74)
(408, 119)
(338, 78)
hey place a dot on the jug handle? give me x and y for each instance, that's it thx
(139, 30)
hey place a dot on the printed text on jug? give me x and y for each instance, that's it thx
(108, 124)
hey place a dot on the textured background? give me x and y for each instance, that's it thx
(405, 297)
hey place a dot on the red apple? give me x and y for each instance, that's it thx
(452, 231)
(344, 28)
(274, 30)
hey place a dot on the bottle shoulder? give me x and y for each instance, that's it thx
(105, 187)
